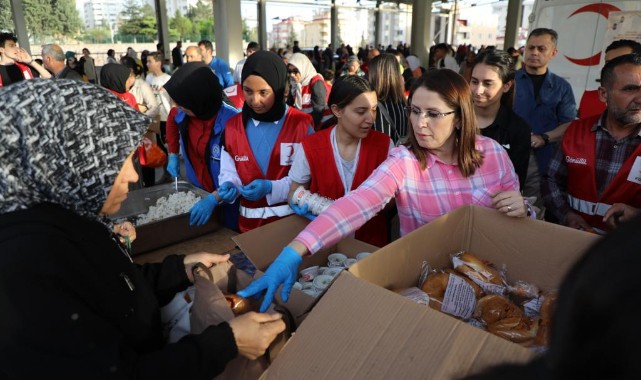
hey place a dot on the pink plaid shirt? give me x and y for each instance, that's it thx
(421, 195)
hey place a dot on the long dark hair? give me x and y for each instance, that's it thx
(456, 93)
(385, 78)
(503, 64)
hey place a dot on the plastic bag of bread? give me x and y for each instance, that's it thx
(522, 330)
(548, 306)
(523, 290)
(494, 307)
(450, 293)
(479, 271)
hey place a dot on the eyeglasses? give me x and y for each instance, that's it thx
(430, 114)
(290, 72)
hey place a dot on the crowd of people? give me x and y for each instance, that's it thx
(380, 133)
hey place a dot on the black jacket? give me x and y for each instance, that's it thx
(73, 306)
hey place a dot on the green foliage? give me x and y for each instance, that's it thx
(139, 20)
(100, 34)
(180, 27)
(249, 34)
(202, 19)
(6, 23)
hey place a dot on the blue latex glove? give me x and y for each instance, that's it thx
(173, 165)
(202, 210)
(282, 271)
(302, 210)
(257, 189)
(228, 192)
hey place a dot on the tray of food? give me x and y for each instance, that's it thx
(161, 215)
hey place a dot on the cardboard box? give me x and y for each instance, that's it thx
(262, 246)
(361, 330)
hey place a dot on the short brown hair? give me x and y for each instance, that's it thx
(456, 93)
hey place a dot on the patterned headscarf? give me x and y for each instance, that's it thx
(63, 142)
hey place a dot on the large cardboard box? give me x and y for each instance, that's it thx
(362, 330)
(262, 246)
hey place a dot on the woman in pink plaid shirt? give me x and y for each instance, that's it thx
(445, 164)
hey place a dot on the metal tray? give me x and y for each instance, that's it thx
(162, 233)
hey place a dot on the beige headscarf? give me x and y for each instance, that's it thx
(307, 72)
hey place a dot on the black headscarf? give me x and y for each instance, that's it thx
(196, 88)
(63, 142)
(114, 77)
(272, 69)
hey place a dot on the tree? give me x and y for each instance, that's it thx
(202, 18)
(101, 34)
(39, 19)
(249, 34)
(182, 25)
(65, 11)
(6, 23)
(138, 21)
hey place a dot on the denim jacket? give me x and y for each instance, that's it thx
(556, 105)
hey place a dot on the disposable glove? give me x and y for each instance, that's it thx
(202, 210)
(173, 165)
(228, 192)
(302, 210)
(257, 189)
(282, 271)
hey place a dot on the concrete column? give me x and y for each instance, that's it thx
(378, 25)
(262, 24)
(421, 33)
(334, 23)
(163, 26)
(17, 12)
(512, 23)
(228, 30)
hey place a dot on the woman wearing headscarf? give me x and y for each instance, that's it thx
(74, 305)
(352, 67)
(195, 127)
(260, 142)
(118, 79)
(309, 92)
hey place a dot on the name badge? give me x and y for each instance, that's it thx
(287, 151)
(635, 172)
(307, 98)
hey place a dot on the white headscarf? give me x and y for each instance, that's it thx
(307, 72)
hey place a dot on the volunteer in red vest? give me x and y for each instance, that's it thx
(594, 180)
(356, 150)
(195, 127)
(118, 79)
(309, 91)
(16, 63)
(260, 142)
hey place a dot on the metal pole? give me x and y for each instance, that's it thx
(21, 27)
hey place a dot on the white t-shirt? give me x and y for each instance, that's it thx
(157, 83)
(301, 173)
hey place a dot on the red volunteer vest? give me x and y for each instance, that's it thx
(306, 93)
(326, 180)
(294, 129)
(26, 72)
(236, 95)
(581, 163)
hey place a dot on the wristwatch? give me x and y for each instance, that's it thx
(545, 138)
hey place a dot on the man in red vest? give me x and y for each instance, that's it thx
(594, 181)
(15, 62)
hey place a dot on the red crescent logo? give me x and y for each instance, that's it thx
(603, 10)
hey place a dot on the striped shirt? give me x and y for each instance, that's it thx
(421, 195)
(396, 128)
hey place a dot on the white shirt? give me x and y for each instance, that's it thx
(157, 83)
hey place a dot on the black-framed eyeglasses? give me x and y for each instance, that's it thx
(430, 114)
